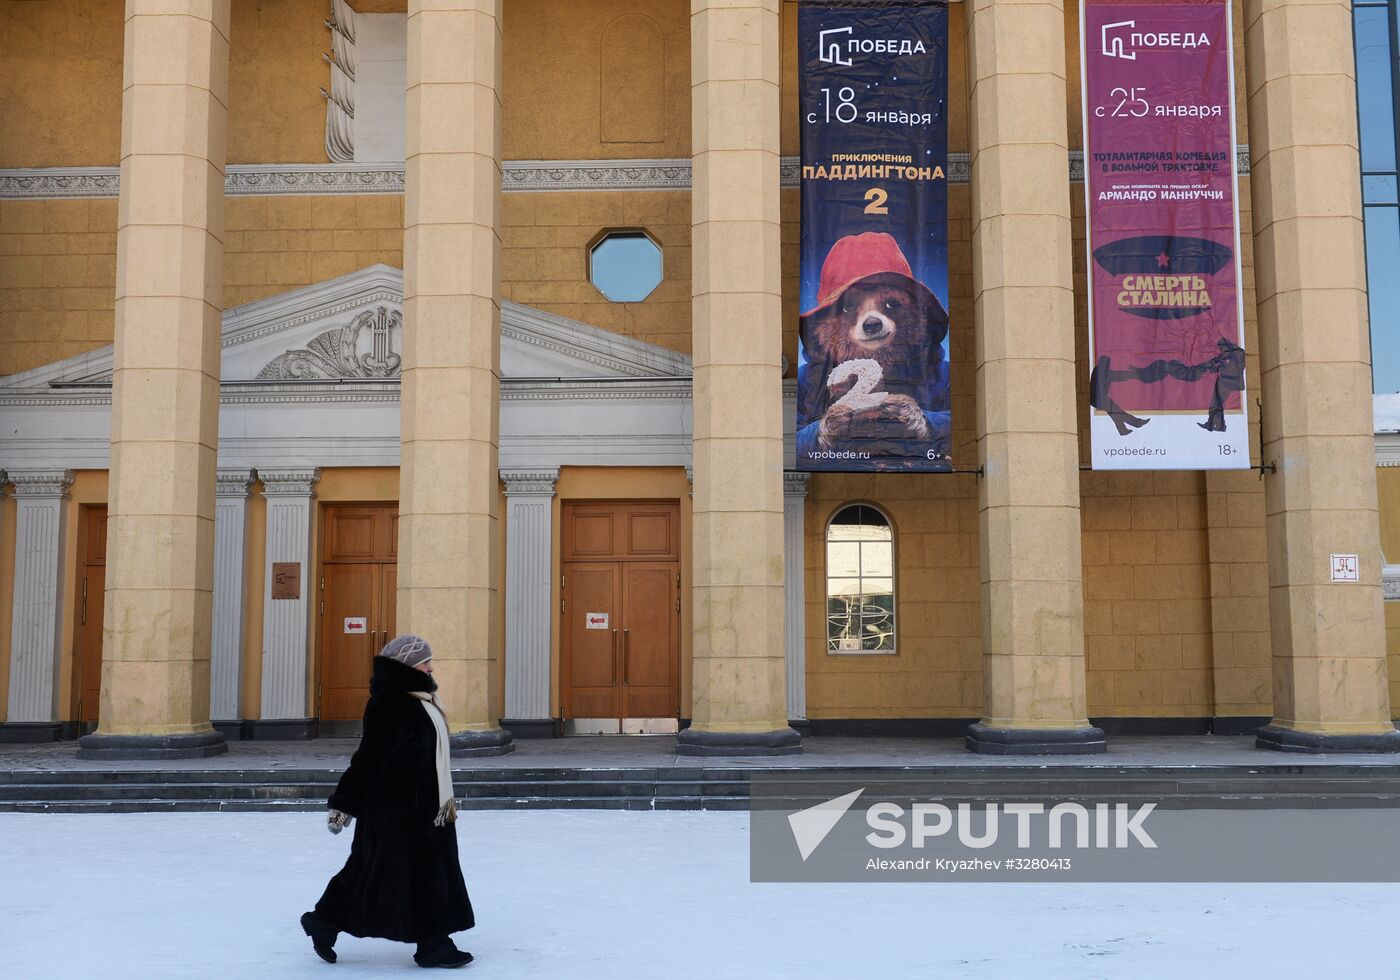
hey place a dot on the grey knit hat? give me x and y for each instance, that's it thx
(408, 650)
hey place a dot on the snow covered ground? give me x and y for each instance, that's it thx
(595, 894)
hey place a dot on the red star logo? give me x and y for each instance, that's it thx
(1164, 260)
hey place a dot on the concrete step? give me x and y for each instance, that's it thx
(720, 787)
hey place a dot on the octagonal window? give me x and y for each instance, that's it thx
(625, 266)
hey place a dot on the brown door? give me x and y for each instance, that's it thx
(650, 640)
(359, 577)
(92, 586)
(621, 610)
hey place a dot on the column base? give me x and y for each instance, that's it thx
(234, 730)
(985, 740)
(119, 747)
(531, 727)
(497, 741)
(31, 731)
(784, 741)
(284, 729)
(1281, 739)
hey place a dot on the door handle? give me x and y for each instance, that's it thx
(613, 681)
(626, 658)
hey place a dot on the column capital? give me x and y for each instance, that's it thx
(523, 483)
(795, 484)
(41, 483)
(234, 482)
(289, 483)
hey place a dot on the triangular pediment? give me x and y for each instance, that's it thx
(351, 329)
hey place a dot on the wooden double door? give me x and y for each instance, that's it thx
(359, 585)
(92, 588)
(621, 616)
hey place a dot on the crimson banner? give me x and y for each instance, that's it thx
(1166, 332)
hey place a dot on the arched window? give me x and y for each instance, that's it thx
(859, 581)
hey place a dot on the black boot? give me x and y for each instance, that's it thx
(322, 936)
(441, 952)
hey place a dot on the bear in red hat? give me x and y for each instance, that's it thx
(874, 382)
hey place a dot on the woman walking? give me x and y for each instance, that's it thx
(403, 880)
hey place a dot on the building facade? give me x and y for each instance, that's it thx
(478, 319)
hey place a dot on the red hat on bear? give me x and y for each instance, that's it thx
(868, 255)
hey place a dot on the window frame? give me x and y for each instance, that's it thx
(894, 576)
(1368, 207)
(602, 237)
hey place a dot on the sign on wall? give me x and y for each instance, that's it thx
(873, 340)
(286, 580)
(1166, 327)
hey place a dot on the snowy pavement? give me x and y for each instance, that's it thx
(604, 894)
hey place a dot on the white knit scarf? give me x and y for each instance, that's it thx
(447, 811)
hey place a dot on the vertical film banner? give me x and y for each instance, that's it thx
(1166, 326)
(873, 342)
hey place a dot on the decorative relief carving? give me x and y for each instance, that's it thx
(368, 178)
(1390, 585)
(522, 482)
(340, 100)
(262, 179)
(595, 175)
(363, 348)
(795, 484)
(41, 483)
(19, 184)
(281, 483)
(234, 483)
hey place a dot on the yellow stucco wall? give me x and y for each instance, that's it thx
(936, 671)
(276, 244)
(1388, 488)
(545, 253)
(1146, 594)
(61, 82)
(275, 75)
(58, 267)
(560, 96)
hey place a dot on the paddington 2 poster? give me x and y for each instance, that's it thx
(1166, 335)
(873, 337)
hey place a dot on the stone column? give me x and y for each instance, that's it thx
(449, 541)
(41, 519)
(1032, 591)
(740, 687)
(529, 601)
(165, 386)
(230, 542)
(1329, 669)
(795, 592)
(290, 495)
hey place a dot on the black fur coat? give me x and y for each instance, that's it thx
(403, 880)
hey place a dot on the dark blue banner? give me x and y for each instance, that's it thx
(873, 348)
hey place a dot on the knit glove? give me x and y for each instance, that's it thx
(337, 821)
